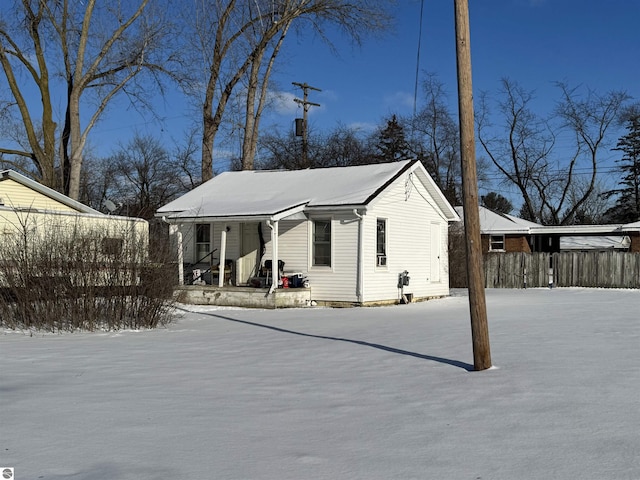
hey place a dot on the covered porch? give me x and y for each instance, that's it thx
(231, 252)
(230, 261)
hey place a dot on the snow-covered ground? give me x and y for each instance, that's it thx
(365, 393)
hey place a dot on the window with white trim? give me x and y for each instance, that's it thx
(496, 243)
(321, 243)
(203, 242)
(381, 242)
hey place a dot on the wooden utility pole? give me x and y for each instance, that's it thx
(305, 108)
(477, 301)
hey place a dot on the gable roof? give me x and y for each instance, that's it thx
(46, 191)
(500, 223)
(276, 194)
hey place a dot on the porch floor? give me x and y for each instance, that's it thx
(231, 296)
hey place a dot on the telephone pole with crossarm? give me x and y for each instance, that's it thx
(301, 126)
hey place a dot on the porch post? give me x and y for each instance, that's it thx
(175, 230)
(360, 255)
(223, 255)
(275, 271)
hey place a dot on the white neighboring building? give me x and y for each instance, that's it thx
(26, 206)
(351, 231)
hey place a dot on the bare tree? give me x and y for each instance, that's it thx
(521, 147)
(99, 50)
(257, 91)
(237, 38)
(436, 135)
(589, 117)
(340, 147)
(141, 176)
(525, 148)
(345, 146)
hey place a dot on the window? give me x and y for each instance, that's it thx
(381, 242)
(496, 243)
(321, 243)
(203, 241)
(112, 246)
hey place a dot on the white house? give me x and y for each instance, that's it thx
(352, 232)
(31, 211)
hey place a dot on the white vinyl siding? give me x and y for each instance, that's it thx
(408, 207)
(118, 234)
(292, 244)
(16, 195)
(338, 283)
(435, 249)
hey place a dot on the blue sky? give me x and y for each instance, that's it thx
(593, 43)
(535, 42)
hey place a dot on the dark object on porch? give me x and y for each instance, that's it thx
(267, 270)
(296, 280)
(228, 270)
(198, 272)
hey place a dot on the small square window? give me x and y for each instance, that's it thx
(496, 243)
(112, 246)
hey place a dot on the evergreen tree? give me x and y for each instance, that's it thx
(496, 202)
(627, 206)
(392, 144)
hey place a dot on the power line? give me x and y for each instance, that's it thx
(415, 91)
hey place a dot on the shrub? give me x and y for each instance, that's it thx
(68, 276)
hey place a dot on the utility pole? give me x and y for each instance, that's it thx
(303, 131)
(477, 301)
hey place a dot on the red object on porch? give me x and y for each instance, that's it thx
(285, 282)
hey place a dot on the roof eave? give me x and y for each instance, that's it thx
(49, 192)
(575, 229)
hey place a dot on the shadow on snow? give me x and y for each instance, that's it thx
(447, 361)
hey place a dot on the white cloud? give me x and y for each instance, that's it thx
(283, 103)
(363, 127)
(399, 100)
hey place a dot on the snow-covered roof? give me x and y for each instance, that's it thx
(597, 242)
(576, 229)
(500, 223)
(49, 192)
(279, 193)
(630, 227)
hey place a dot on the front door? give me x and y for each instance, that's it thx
(436, 250)
(249, 252)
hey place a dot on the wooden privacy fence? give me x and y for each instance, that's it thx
(516, 270)
(609, 269)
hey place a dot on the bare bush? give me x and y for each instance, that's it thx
(68, 277)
